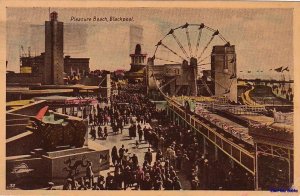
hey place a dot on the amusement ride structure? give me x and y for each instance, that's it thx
(209, 105)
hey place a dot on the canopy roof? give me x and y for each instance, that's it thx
(65, 99)
(18, 103)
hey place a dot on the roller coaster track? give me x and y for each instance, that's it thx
(248, 100)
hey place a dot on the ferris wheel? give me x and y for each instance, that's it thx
(188, 45)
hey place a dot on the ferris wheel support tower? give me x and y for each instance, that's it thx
(223, 71)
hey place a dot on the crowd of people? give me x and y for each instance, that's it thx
(179, 152)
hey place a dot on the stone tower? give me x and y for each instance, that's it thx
(137, 65)
(137, 59)
(54, 47)
(223, 71)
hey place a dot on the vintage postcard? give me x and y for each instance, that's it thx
(129, 96)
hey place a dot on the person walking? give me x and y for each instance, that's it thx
(135, 161)
(119, 178)
(74, 184)
(101, 182)
(133, 131)
(100, 134)
(168, 183)
(176, 184)
(146, 183)
(172, 156)
(105, 133)
(127, 176)
(121, 153)
(109, 181)
(114, 155)
(157, 185)
(93, 133)
(148, 156)
(50, 186)
(90, 174)
(195, 184)
(68, 185)
(95, 187)
(159, 156)
(90, 119)
(140, 133)
(82, 184)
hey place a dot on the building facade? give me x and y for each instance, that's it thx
(78, 66)
(34, 65)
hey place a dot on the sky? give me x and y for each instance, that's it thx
(263, 38)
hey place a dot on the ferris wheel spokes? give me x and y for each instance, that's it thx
(162, 59)
(178, 43)
(165, 46)
(199, 37)
(188, 37)
(204, 59)
(208, 43)
(184, 51)
(227, 42)
(155, 50)
(199, 65)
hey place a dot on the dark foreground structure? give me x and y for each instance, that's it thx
(44, 146)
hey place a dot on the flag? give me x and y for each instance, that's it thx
(285, 69)
(42, 113)
(279, 69)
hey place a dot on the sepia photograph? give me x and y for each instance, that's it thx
(149, 98)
